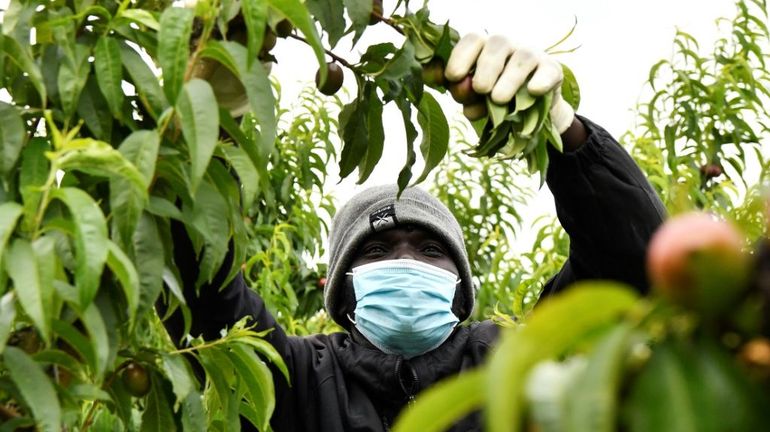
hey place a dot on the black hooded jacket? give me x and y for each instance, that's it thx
(604, 203)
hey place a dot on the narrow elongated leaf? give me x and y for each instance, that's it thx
(97, 332)
(91, 242)
(570, 90)
(22, 58)
(157, 416)
(34, 297)
(247, 173)
(353, 123)
(551, 329)
(109, 73)
(127, 203)
(259, 92)
(149, 258)
(219, 370)
(146, 82)
(411, 134)
(435, 134)
(173, 48)
(592, 407)
(34, 172)
(123, 268)
(255, 15)
(207, 218)
(297, 14)
(100, 159)
(359, 12)
(77, 341)
(9, 214)
(258, 381)
(73, 74)
(443, 404)
(267, 350)
(140, 16)
(176, 370)
(7, 316)
(12, 137)
(35, 387)
(376, 138)
(193, 413)
(198, 113)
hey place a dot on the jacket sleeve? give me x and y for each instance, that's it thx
(607, 207)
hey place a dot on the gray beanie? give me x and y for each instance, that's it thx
(377, 209)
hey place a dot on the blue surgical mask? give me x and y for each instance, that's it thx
(404, 306)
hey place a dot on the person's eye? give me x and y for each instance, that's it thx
(374, 250)
(433, 250)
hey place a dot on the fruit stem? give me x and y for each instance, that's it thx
(336, 58)
(388, 21)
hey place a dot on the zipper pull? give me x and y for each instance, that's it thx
(411, 400)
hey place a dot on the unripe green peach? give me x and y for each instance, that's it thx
(136, 379)
(334, 78)
(462, 91)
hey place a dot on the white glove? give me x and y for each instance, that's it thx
(501, 68)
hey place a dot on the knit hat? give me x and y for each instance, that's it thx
(377, 209)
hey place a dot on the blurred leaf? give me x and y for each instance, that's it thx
(109, 73)
(34, 297)
(435, 134)
(21, 57)
(146, 82)
(441, 405)
(173, 48)
(140, 16)
(258, 381)
(123, 268)
(101, 159)
(12, 137)
(353, 121)
(91, 242)
(330, 14)
(7, 317)
(207, 218)
(176, 370)
(9, 214)
(77, 341)
(553, 328)
(255, 15)
(267, 350)
(411, 134)
(375, 138)
(72, 77)
(359, 12)
(570, 90)
(157, 416)
(35, 387)
(148, 256)
(97, 333)
(247, 173)
(193, 413)
(198, 113)
(593, 404)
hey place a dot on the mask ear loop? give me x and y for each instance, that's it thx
(351, 319)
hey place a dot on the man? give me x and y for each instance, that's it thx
(399, 278)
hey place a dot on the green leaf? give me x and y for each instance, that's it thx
(247, 173)
(35, 387)
(91, 242)
(97, 332)
(258, 381)
(259, 91)
(435, 134)
(297, 14)
(207, 218)
(255, 15)
(7, 317)
(199, 116)
(177, 371)
(593, 404)
(77, 341)
(123, 268)
(12, 137)
(144, 80)
(331, 15)
(72, 77)
(109, 73)
(267, 350)
(140, 16)
(359, 12)
(94, 111)
(9, 214)
(157, 416)
(100, 159)
(173, 48)
(375, 140)
(353, 122)
(22, 58)
(141, 149)
(193, 413)
(552, 328)
(653, 409)
(148, 256)
(411, 134)
(441, 405)
(570, 91)
(34, 297)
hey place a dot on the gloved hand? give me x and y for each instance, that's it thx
(502, 67)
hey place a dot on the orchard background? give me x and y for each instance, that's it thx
(114, 128)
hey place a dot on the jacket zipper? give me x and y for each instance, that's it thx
(409, 390)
